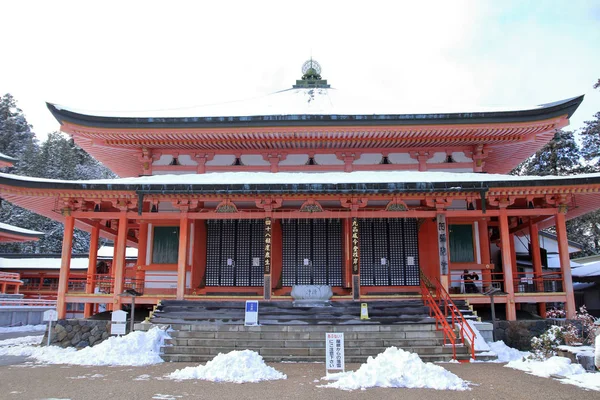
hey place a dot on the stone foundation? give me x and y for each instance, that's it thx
(78, 333)
(518, 334)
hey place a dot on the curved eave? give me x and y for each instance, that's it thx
(8, 235)
(7, 161)
(305, 188)
(543, 112)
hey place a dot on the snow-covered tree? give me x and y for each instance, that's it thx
(58, 158)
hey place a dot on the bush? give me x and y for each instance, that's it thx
(572, 334)
(544, 346)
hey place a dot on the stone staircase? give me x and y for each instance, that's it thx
(203, 329)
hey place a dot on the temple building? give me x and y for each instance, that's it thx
(311, 186)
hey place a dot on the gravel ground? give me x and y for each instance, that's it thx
(34, 381)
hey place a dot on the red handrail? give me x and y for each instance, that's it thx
(456, 316)
(441, 323)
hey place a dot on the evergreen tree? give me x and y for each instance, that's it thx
(560, 157)
(57, 158)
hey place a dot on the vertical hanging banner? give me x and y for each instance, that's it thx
(268, 236)
(355, 255)
(442, 243)
(334, 352)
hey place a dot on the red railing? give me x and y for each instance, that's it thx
(441, 322)
(451, 311)
(27, 303)
(9, 276)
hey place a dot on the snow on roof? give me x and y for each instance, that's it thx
(307, 101)
(587, 270)
(16, 229)
(108, 252)
(4, 156)
(40, 263)
(250, 178)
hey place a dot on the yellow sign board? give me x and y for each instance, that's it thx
(364, 311)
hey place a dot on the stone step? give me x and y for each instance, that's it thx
(194, 358)
(308, 335)
(309, 343)
(348, 328)
(304, 351)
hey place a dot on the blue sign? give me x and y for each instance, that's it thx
(251, 313)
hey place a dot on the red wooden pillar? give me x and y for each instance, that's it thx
(119, 261)
(484, 248)
(537, 264)
(199, 254)
(184, 239)
(513, 261)
(140, 273)
(507, 267)
(91, 271)
(565, 263)
(65, 267)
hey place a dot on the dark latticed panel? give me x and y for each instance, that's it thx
(389, 252)
(235, 253)
(312, 252)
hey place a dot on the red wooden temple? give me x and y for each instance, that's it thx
(312, 186)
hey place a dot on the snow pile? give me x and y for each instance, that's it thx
(20, 341)
(505, 353)
(398, 368)
(235, 366)
(135, 348)
(588, 380)
(559, 366)
(480, 343)
(24, 328)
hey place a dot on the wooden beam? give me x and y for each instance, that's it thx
(507, 268)
(119, 262)
(65, 267)
(536, 259)
(91, 271)
(565, 264)
(184, 239)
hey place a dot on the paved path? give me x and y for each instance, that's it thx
(490, 381)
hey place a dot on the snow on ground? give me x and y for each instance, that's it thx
(20, 341)
(504, 353)
(235, 366)
(560, 367)
(400, 369)
(24, 328)
(136, 348)
(583, 350)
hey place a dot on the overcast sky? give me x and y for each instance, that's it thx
(129, 55)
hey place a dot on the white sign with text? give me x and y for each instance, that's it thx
(334, 352)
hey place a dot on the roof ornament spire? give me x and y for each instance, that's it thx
(311, 76)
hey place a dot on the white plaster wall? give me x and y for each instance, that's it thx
(402, 158)
(459, 156)
(450, 169)
(368, 159)
(295, 159)
(438, 157)
(328, 159)
(186, 159)
(167, 172)
(254, 159)
(164, 279)
(165, 159)
(221, 160)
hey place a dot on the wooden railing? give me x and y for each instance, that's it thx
(27, 303)
(9, 276)
(441, 322)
